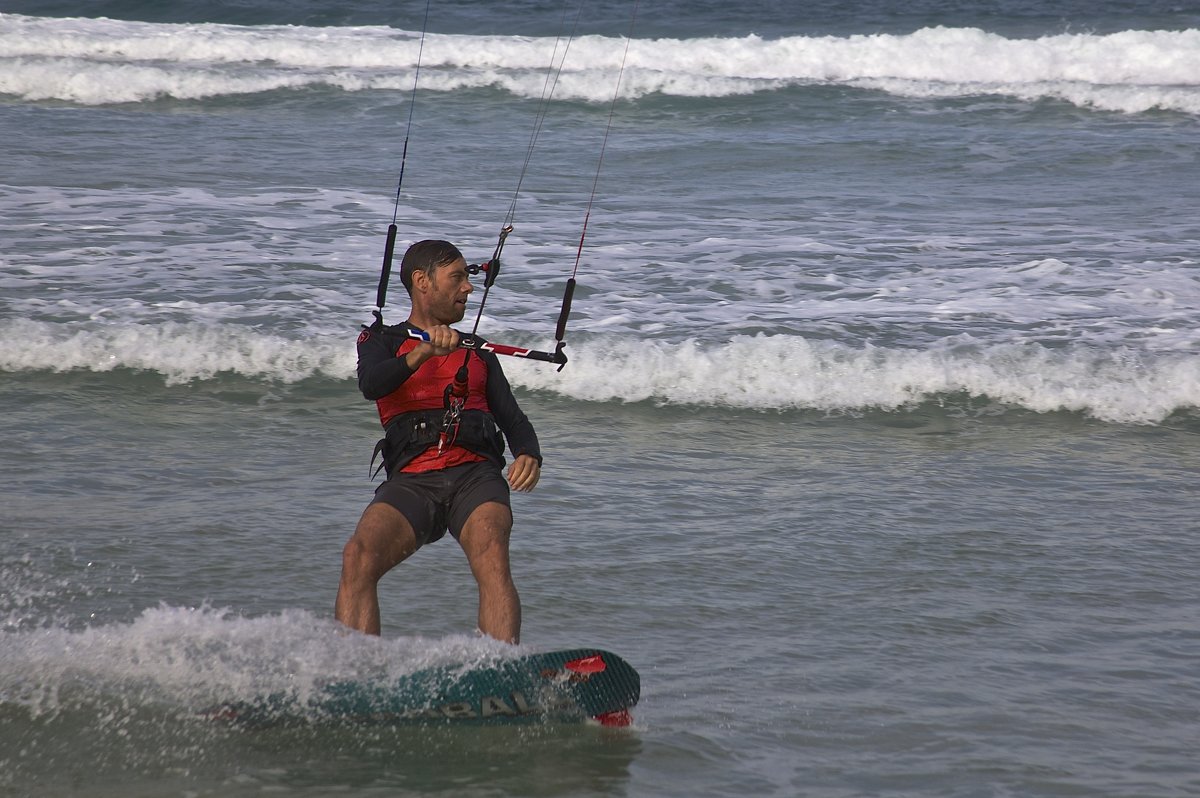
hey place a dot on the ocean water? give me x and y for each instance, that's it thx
(876, 453)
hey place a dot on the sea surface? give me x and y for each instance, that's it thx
(877, 452)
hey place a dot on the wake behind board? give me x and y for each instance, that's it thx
(572, 686)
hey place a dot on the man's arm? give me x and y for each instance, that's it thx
(508, 414)
(379, 370)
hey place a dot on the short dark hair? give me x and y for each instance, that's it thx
(426, 256)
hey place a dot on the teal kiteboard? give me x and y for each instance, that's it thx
(584, 685)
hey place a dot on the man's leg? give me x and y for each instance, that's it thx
(382, 540)
(484, 538)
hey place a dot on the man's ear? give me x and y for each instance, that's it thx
(420, 280)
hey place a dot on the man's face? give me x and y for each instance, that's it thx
(450, 287)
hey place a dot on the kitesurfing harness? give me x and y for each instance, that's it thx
(411, 434)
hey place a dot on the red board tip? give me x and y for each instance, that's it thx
(592, 664)
(618, 717)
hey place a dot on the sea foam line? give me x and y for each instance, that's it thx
(785, 372)
(763, 372)
(80, 60)
(180, 351)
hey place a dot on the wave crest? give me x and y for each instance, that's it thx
(181, 352)
(763, 372)
(100, 61)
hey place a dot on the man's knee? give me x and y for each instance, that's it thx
(359, 559)
(382, 540)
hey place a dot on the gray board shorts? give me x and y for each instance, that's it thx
(437, 501)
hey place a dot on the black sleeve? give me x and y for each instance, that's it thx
(508, 414)
(379, 370)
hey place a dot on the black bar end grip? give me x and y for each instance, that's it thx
(568, 295)
(492, 272)
(385, 274)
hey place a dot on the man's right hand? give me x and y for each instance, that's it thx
(442, 341)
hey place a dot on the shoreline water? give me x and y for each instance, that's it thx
(911, 582)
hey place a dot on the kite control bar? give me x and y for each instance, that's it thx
(478, 344)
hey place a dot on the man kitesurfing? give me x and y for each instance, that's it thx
(447, 408)
(441, 406)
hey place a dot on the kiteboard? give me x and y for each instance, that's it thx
(583, 685)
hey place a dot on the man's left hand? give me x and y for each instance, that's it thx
(524, 473)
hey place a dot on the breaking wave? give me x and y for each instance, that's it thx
(763, 372)
(102, 61)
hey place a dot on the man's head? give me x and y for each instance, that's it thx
(426, 256)
(435, 274)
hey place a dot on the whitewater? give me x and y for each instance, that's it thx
(760, 372)
(98, 62)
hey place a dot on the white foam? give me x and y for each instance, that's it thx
(789, 372)
(99, 61)
(197, 656)
(763, 372)
(181, 352)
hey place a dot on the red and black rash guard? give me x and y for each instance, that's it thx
(384, 376)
